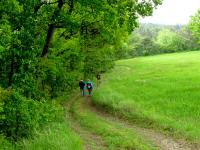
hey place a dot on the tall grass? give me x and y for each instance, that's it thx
(159, 91)
(55, 136)
(52, 130)
(115, 135)
(5, 144)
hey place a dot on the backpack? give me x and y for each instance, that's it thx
(89, 85)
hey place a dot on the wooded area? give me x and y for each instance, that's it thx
(47, 46)
(151, 39)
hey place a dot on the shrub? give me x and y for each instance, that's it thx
(20, 116)
(5, 144)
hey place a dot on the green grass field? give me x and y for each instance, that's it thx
(52, 137)
(55, 136)
(113, 133)
(161, 92)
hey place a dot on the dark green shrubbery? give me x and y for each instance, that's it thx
(46, 48)
(20, 116)
(5, 144)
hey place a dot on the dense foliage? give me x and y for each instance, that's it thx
(21, 117)
(46, 46)
(150, 39)
(195, 25)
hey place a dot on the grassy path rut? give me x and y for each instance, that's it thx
(100, 130)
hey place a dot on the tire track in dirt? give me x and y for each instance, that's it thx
(91, 141)
(162, 141)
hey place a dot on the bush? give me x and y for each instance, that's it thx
(20, 116)
(5, 144)
(55, 136)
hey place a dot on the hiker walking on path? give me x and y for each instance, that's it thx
(89, 87)
(82, 87)
(98, 76)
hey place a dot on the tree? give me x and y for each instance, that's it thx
(181, 40)
(194, 25)
(92, 24)
(150, 39)
(189, 41)
(47, 45)
(168, 41)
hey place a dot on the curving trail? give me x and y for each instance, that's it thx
(90, 140)
(101, 130)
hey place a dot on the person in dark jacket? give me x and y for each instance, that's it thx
(82, 87)
(98, 76)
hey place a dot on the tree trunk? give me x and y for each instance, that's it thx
(48, 40)
(51, 29)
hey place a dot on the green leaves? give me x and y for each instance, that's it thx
(152, 39)
(22, 116)
(76, 39)
(194, 25)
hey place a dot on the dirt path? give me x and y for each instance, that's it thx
(93, 141)
(162, 141)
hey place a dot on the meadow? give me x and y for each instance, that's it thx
(57, 135)
(160, 92)
(54, 136)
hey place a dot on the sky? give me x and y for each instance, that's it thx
(173, 12)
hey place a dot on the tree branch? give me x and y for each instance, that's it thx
(51, 29)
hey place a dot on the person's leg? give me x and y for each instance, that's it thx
(83, 92)
(90, 92)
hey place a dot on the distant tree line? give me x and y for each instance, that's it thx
(151, 39)
(194, 25)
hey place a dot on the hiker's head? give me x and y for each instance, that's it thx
(88, 80)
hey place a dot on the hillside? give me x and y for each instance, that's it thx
(160, 92)
(143, 103)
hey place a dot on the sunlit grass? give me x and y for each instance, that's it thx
(56, 136)
(116, 136)
(158, 91)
